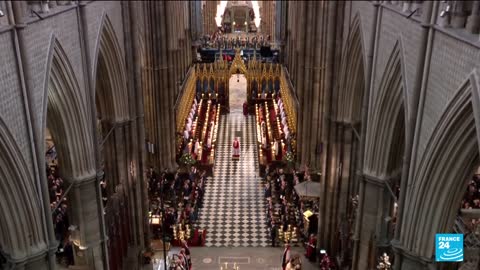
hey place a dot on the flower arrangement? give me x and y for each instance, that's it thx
(187, 159)
(289, 156)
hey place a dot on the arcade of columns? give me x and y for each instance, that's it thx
(311, 46)
(267, 11)
(167, 59)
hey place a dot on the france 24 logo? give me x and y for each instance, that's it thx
(448, 247)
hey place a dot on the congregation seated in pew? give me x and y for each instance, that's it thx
(272, 129)
(183, 196)
(285, 210)
(201, 126)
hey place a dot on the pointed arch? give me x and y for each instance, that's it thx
(65, 111)
(109, 75)
(352, 84)
(21, 232)
(443, 172)
(385, 136)
(238, 64)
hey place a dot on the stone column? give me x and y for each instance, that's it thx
(141, 196)
(319, 133)
(44, 256)
(372, 201)
(85, 194)
(314, 60)
(405, 259)
(87, 238)
(172, 85)
(153, 84)
(459, 15)
(210, 11)
(161, 42)
(473, 21)
(357, 248)
(298, 58)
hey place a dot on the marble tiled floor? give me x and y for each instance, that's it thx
(237, 93)
(233, 211)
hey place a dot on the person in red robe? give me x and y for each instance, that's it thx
(245, 108)
(236, 148)
(310, 254)
(286, 256)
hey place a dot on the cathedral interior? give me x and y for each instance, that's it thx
(240, 135)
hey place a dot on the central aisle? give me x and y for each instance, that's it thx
(233, 211)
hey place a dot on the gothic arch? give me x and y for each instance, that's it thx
(238, 64)
(109, 75)
(352, 84)
(66, 111)
(21, 232)
(384, 135)
(451, 155)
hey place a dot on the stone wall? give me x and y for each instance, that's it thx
(72, 33)
(438, 66)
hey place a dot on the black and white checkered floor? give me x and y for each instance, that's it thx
(233, 211)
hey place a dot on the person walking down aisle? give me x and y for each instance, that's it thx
(294, 263)
(286, 256)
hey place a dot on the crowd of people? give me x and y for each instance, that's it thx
(59, 208)
(272, 129)
(183, 195)
(471, 200)
(200, 130)
(285, 210)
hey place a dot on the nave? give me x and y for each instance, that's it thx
(233, 211)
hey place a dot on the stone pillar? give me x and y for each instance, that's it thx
(172, 85)
(407, 260)
(161, 43)
(87, 238)
(141, 196)
(85, 194)
(298, 58)
(327, 41)
(424, 57)
(473, 21)
(458, 15)
(357, 248)
(372, 196)
(210, 11)
(312, 89)
(136, 151)
(41, 254)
